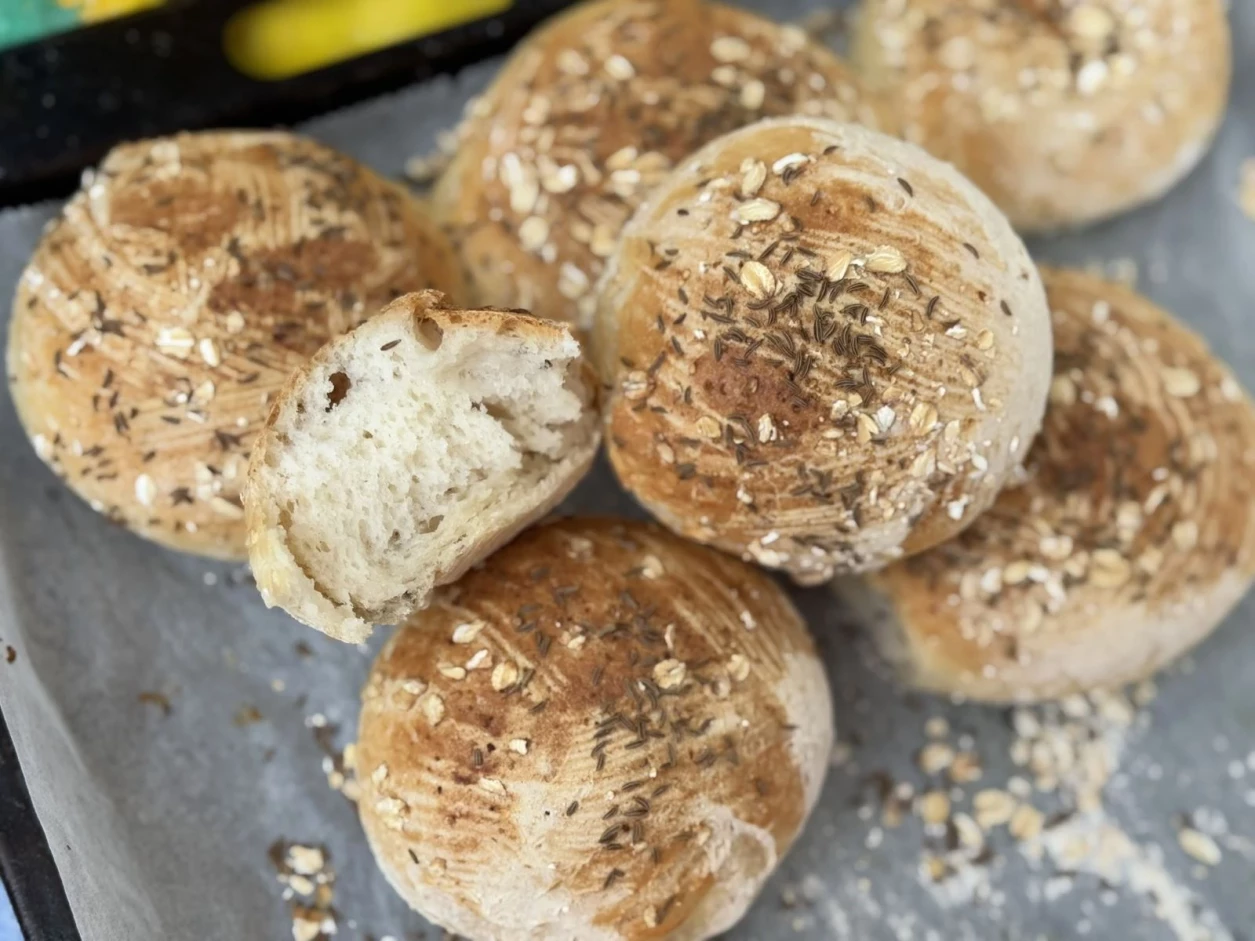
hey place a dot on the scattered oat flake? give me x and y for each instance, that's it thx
(839, 266)
(1026, 823)
(993, 807)
(756, 210)
(753, 175)
(1181, 383)
(933, 807)
(935, 758)
(758, 280)
(730, 49)
(1246, 188)
(620, 68)
(432, 707)
(467, 632)
(670, 673)
(885, 260)
(790, 162)
(936, 727)
(504, 675)
(1199, 846)
(965, 768)
(492, 785)
(306, 860)
(651, 567)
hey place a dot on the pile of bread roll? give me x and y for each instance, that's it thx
(809, 345)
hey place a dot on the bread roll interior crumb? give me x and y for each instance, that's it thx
(407, 447)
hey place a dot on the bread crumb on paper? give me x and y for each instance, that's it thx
(308, 880)
(1246, 187)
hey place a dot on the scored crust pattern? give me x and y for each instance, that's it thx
(590, 113)
(1063, 111)
(620, 745)
(824, 349)
(1131, 536)
(173, 296)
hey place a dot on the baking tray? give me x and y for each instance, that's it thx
(27, 869)
(161, 824)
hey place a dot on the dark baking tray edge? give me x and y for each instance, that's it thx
(27, 868)
(51, 155)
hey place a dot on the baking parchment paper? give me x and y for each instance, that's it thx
(161, 823)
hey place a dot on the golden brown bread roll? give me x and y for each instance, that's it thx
(1063, 111)
(602, 733)
(825, 348)
(172, 298)
(589, 113)
(1131, 537)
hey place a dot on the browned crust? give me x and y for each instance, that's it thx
(619, 127)
(282, 578)
(1118, 109)
(172, 297)
(1137, 519)
(817, 421)
(585, 611)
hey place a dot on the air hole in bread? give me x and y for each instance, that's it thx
(429, 333)
(340, 385)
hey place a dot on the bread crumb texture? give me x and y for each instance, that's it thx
(409, 449)
(1063, 112)
(1129, 538)
(172, 297)
(824, 349)
(672, 751)
(590, 113)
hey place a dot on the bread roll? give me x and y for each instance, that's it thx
(1131, 537)
(604, 733)
(408, 450)
(172, 297)
(1065, 112)
(825, 348)
(589, 113)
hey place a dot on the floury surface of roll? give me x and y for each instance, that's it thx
(172, 297)
(823, 349)
(590, 112)
(1065, 112)
(1130, 538)
(604, 733)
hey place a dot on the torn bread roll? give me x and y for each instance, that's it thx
(1065, 112)
(825, 349)
(408, 450)
(1131, 537)
(603, 733)
(592, 110)
(171, 299)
